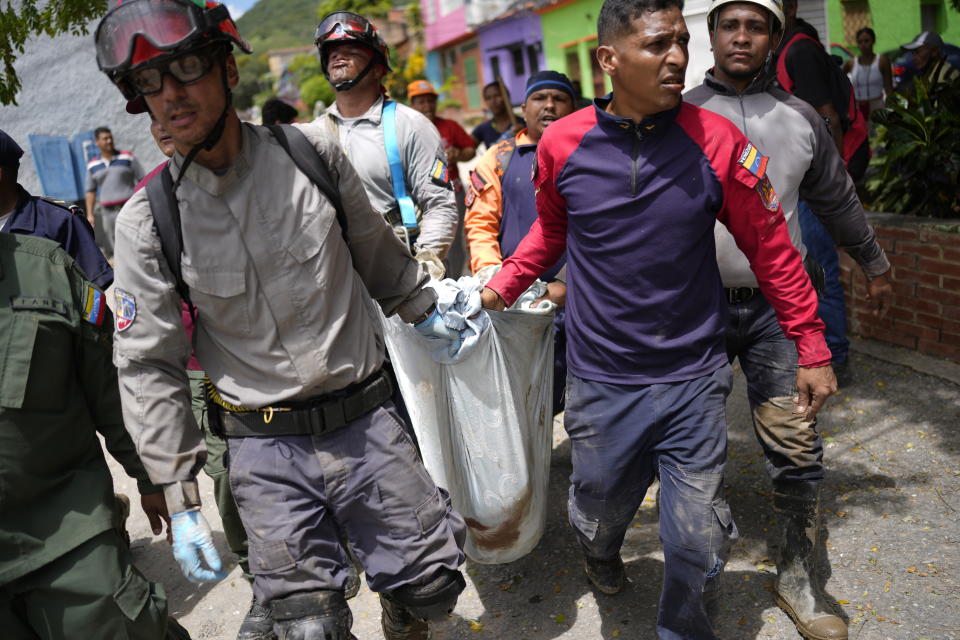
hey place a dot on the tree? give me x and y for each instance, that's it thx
(313, 84)
(254, 79)
(366, 8)
(24, 19)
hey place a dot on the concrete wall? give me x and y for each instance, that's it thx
(64, 93)
(496, 39)
(926, 283)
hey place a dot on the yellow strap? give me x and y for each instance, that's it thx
(214, 395)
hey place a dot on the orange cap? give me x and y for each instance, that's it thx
(420, 88)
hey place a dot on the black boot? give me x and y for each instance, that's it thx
(399, 624)
(798, 590)
(607, 575)
(317, 615)
(257, 624)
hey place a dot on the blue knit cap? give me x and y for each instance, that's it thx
(10, 151)
(549, 80)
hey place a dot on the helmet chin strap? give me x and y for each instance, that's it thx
(346, 85)
(213, 137)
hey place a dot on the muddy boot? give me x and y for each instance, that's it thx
(257, 624)
(399, 624)
(120, 514)
(607, 575)
(315, 615)
(798, 591)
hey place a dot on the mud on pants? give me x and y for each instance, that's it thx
(620, 436)
(301, 495)
(791, 444)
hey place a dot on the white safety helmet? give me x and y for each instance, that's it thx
(775, 7)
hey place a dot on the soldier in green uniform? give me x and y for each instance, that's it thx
(64, 570)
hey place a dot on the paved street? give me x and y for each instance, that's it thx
(892, 506)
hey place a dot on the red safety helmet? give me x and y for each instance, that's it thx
(138, 31)
(345, 26)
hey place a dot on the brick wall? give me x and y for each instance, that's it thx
(925, 275)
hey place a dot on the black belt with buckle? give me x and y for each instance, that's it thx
(310, 417)
(737, 295)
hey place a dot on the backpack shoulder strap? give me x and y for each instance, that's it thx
(166, 219)
(783, 77)
(305, 156)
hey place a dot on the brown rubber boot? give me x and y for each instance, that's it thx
(798, 591)
(399, 624)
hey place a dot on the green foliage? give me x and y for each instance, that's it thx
(366, 8)
(305, 66)
(18, 23)
(313, 85)
(255, 78)
(918, 167)
(316, 88)
(278, 24)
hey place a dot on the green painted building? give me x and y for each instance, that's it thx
(896, 22)
(570, 42)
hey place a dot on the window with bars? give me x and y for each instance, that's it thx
(856, 16)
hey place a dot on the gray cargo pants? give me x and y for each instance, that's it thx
(296, 494)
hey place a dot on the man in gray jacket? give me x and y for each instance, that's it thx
(354, 59)
(282, 286)
(803, 164)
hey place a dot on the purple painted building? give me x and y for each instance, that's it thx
(512, 48)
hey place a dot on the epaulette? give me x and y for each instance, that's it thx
(69, 206)
(504, 154)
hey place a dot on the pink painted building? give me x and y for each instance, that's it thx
(444, 21)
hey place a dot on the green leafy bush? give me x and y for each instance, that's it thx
(916, 164)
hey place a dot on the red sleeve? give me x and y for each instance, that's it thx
(547, 239)
(462, 139)
(752, 213)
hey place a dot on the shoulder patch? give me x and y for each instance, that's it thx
(126, 309)
(94, 306)
(768, 196)
(439, 171)
(477, 181)
(753, 161)
(439, 175)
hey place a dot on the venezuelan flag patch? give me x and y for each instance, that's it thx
(94, 307)
(439, 171)
(753, 161)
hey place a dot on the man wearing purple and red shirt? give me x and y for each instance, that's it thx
(631, 187)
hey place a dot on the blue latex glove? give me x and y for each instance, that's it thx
(433, 329)
(191, 537)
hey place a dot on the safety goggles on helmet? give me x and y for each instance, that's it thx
(344, 25)
(341, 26)
(166, 25)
